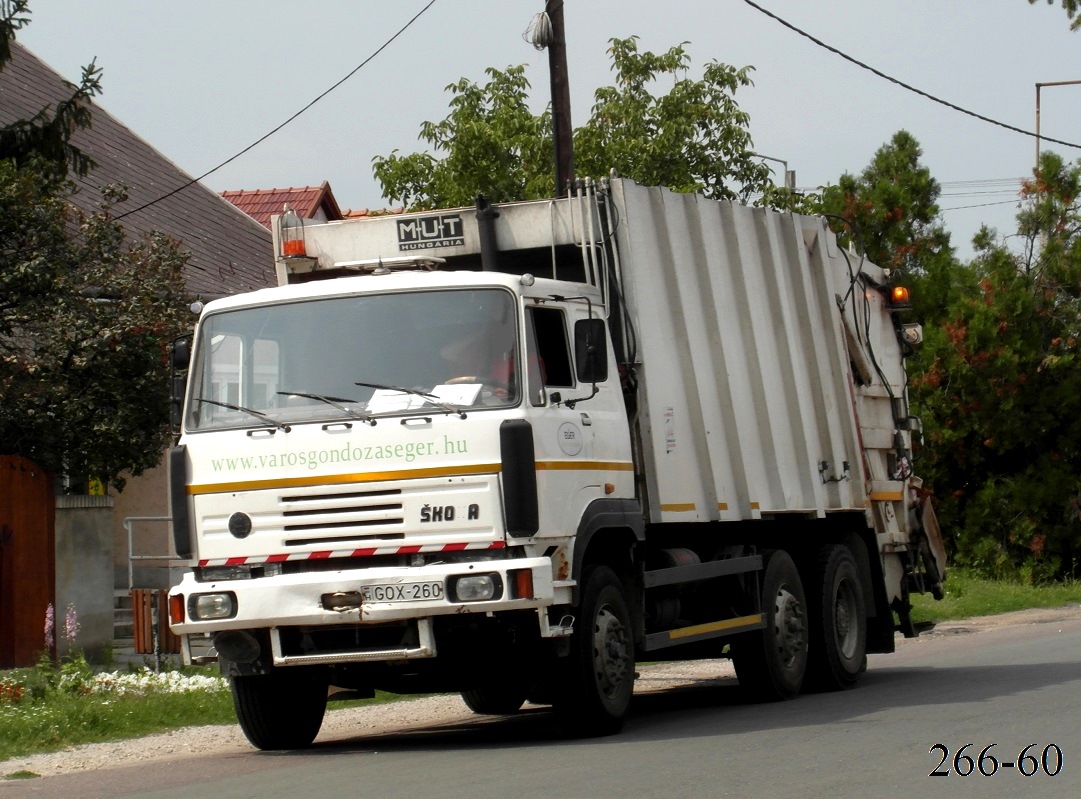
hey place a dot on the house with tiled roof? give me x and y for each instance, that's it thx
(309, 202)
(229, 252)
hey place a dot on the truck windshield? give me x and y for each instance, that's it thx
(356, 357)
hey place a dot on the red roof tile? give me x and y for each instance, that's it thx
(360, 213)
(307, 201)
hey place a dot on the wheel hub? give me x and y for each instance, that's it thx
(789, 626)
(610, 647)
(843, 614)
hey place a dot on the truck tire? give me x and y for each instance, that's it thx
(838, 621)
(771, 663)
(498, 699)
(593, 695)
(279, 713)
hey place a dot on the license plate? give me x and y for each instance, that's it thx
(403, 592)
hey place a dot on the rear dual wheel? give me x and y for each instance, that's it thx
(771, 662)
(838, 650)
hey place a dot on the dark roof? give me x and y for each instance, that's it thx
(307, 202)
(230, 252)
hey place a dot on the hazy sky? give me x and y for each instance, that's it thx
(202, 79)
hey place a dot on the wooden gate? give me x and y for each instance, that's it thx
(150, 620)
(27, 559)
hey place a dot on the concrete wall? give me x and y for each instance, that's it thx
(84, 572)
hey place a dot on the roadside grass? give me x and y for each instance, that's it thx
(968, 595)
(46, 708)
(59, 722)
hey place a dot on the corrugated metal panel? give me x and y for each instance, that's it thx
(744, 372)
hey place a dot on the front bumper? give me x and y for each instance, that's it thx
(313, 601)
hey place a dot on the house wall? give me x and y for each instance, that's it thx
(143, 496)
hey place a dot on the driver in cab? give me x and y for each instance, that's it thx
(482, 353)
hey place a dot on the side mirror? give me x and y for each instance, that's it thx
(591, 350)
(182, 353)
(178, 381)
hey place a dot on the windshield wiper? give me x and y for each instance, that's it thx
(333, 402)
(431, 399)
(257, 414)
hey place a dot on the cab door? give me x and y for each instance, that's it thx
(579, 437)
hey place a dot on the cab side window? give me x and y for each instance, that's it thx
(548, 352)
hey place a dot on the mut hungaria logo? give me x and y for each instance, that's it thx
(430, 232)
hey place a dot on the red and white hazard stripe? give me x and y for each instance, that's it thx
(352, 553)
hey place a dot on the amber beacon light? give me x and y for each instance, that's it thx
(899, 299)
(292, 234)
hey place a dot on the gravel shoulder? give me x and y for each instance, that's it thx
(429, 711)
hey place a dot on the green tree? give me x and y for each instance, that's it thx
(1000, 386)
(86, 314)
(890, 213)
(1072, 7)
(996, 380)
(693, 138)
(490, 144)
(893, 204)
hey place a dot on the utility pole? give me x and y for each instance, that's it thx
(1038, 87)
(561, 98)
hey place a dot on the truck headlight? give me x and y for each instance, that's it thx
(204, 607)
(476, 587)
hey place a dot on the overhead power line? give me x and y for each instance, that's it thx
(981, 205)
(904, 85)
(977, 193)
(270, 133)
(981, 182)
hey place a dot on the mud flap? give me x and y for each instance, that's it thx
(932, 550)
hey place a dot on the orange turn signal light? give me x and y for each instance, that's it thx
(522, 580)
(176, 609)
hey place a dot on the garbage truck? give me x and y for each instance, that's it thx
(512, 450)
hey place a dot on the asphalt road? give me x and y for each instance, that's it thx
(1011, 686)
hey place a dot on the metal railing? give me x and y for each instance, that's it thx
(129, 528)
(155, 609)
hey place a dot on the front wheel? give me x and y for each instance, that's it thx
(276, 712)
(771, 662)
(597, 678)
(498, 699)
